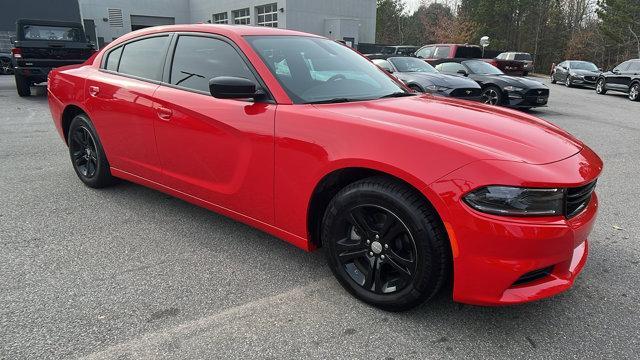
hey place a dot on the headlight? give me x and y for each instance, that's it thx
(516, 201)
(436, 88)
(513, 88)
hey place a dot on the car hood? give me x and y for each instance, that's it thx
(450, 81)
(586, 72)
(487, 131)
(516, 81)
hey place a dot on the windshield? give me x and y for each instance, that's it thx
(481, 67)
(583, 65)
(410, 64)
(313, 70)
(41, 32)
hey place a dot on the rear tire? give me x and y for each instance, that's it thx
(385, 244)
(6, 67)
(23, 85)
(601, 86)
(87, 155)
(634, 92)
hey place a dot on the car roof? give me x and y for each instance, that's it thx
(219, 29)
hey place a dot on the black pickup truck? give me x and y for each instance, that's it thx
(41, 45)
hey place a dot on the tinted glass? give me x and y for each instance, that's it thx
(425, 52)
(383, 64)
(468, 52)
(318, 70)
(622, 67)
(583, 65)
(406, 50)
(59, 33)
(409, 64)
(522, 57)
(388, 50)
(450, 67)
(635, 66)
(481, 67)
(198, 59)
(442, 52)
(144, 58)
(113, 59)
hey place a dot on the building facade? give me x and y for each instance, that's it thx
(352, 21)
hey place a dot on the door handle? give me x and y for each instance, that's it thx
(164, 113)
(94, 90)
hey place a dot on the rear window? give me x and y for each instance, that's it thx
(468, 52)
(144, 58)
(523, 57)
(59, 33)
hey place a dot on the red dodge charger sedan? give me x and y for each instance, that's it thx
(305, 139)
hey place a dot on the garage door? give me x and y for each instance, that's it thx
(141, 21)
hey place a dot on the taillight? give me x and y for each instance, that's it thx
(17, 53)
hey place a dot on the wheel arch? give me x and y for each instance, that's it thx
(335, 180)
(69, 112)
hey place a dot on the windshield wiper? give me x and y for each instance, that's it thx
(331, 101)
(397, 94)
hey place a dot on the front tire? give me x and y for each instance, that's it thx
(634, 92)
(601, 87)
(23, 85)
(87, 155)
(385, 245)
(492, 95)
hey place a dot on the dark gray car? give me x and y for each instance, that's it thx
(422, 77)
(576, 73)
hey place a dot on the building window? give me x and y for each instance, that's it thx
(241, 17)
(221, 18)
(267, 15)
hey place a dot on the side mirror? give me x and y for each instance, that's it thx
(463, 72)
(389, 71)
(230, 87)
(615, 71)
(600, 69)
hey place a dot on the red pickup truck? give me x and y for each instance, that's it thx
(435, 53)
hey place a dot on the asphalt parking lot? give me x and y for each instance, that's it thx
(128, 272)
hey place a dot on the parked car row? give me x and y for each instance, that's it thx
(623, 78)
(469, 79)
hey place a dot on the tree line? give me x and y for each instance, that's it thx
(605, 32)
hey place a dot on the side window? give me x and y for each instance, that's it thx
(450, 67)
(442, 52)
(634, 67)
(113, 59)
(622, 67)
(198, 59)
(425, 52)
(144, 58)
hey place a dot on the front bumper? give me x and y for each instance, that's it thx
(492, 254)
(526, 99)
(586, 82)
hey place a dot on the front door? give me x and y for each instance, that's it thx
(218, 150)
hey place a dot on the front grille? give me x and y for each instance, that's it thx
(537, 92)
(578, 198)
(533, 275)
(466, 93)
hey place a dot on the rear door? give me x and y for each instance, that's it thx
(630, 73)
(616, 80)
(218, 150)
(120, 99)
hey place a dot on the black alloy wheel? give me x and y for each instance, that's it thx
(600, 86)
(87, 156)
(385, 245)
(492, 95)
(634, 92)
